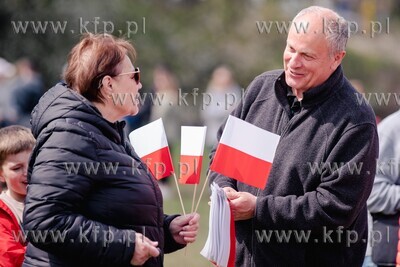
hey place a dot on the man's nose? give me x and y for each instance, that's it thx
(295, 61)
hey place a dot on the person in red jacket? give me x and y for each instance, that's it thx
(16, 144)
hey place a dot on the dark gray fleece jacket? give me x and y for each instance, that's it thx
(312, 211)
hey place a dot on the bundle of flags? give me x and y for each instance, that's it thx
(220, 245)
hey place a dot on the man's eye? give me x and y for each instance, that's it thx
(308, 57)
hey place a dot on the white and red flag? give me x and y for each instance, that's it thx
(192, 149)
(245, 152)
(151, 145)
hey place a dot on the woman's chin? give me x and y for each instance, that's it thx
(134, 112)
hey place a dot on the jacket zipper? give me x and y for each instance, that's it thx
(291, 121)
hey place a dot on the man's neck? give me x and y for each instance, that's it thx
(298, 94)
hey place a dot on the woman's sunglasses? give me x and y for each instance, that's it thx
(136, 75)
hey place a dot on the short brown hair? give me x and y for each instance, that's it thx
(13, 140)
(94, 57)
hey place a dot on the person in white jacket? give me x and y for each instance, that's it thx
(384, 201)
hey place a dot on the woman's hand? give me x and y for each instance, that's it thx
(144, 249)
(184, 228)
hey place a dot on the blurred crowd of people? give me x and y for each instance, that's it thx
(21, 87)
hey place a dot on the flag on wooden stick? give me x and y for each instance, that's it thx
(151, 145)
(192, 149)
(245, 152)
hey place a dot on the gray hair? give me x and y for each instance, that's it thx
(335, 27)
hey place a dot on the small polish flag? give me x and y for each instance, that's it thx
(150, 143)
(245, 152)
(192, 149)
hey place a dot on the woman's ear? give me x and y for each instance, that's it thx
(106, 88)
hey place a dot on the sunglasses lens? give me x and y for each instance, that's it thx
(137, 75)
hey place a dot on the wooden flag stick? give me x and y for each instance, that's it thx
(179, 193)
(202, 191)
(194, 197)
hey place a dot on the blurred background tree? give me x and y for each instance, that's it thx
(194, 36)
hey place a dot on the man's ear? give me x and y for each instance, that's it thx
(338, 59)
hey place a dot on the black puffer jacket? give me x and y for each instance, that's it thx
(95, 207)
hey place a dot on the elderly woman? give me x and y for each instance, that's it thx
(90, 200)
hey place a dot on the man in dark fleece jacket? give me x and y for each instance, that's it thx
(312, 211)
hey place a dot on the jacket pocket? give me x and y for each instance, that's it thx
(384, 250)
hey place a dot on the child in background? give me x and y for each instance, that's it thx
(16, 144)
